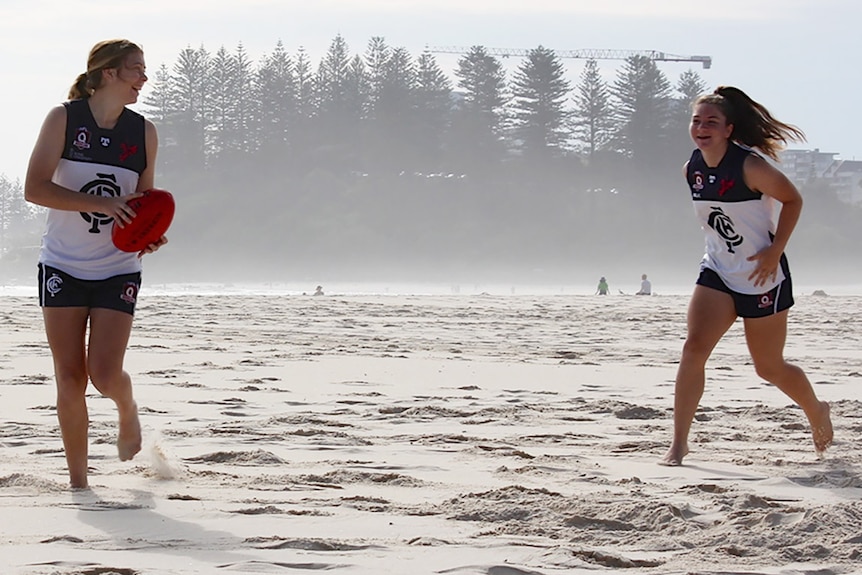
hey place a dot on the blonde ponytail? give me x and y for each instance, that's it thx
(103, 56)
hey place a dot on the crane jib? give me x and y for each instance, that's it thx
(586, 54)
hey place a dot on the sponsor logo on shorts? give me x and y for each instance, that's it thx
(129, 293)
(54, 284)
(766, 300)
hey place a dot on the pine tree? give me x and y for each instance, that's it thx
(334, 122)
(689, 86)
(242, 118)
(219, 109)
(480, 114)
(376, 58)
(592, 116)
(642, 94)
(275, 100)
(540, 90)
(164, 110)
(433, 96)
(303, 137)
(189, 88)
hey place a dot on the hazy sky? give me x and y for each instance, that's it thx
(798, 57)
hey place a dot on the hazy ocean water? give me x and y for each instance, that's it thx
(415, 289)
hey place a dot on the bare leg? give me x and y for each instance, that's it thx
(710, 315)
(65, 328)
(109, 336)
(766, 337)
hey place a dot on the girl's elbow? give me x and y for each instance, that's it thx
(29, 194)
(33, 193)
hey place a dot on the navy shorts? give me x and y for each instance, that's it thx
(59, 289)
(768, 303)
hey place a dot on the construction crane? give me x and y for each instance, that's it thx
(588, 54)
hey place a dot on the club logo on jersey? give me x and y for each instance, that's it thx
(723, 225)
(698, 181)
(105, 186)
(712, 178)
(127, 151)
(106, 141)
(54, 284)
(82, 138)
(724, 186)
(129, 293)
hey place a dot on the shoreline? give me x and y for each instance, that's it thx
(349, 289)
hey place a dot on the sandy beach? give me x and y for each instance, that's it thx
(457, 434)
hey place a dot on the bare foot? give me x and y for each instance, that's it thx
(78, 483)
(821, 429)
(674, 455)
(129, 437)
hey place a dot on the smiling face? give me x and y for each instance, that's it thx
(129, 78)
(709, 128)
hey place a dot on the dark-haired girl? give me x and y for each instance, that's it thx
(748, 210)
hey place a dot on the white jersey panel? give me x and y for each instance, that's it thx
(80, 243)
(733, 233)
(737, 222)
(102, 162)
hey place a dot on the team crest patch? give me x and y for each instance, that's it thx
(698, 181)
(82, 138)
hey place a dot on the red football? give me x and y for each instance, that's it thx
(153, 214)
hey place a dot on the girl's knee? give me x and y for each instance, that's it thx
(108, 381)
(771, 371)
(71, 383)
(696, 350)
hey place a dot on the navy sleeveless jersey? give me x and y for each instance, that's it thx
(103, 162)
(737, 221)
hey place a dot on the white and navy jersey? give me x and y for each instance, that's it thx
(99, 162)
(738, 222)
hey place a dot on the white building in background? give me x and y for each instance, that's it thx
(843, 176)
(802, 166)
(846, 176)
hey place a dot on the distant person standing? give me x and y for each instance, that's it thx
(92, 156)
(646, 286)
(744, 272)
(602, 289)
(318, 290)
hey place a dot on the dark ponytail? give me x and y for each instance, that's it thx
(753, 125)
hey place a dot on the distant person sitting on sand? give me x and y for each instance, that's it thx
(603, 286)
(318, 290)
(646, 286)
